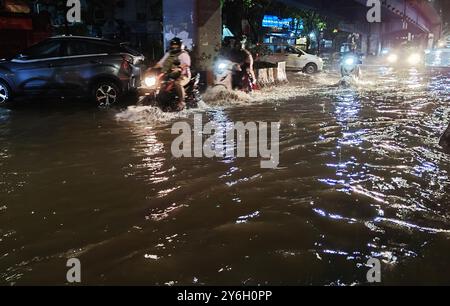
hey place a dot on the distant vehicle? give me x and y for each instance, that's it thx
(444, 43)
(347, 48)
(404, 56)
(295, 58)
(437, 58)
(70, 66)
(351, 65)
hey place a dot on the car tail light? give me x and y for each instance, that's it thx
(127, 62)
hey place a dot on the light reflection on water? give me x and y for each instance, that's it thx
(361, 176)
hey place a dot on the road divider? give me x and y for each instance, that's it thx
(272, 76)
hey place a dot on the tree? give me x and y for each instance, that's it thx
(313, 24)
(251, 10)
(254, 11)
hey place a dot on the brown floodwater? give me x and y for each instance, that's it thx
(361, 176)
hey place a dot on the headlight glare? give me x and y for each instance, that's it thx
(414, 59)
(392, 58)
(150, 81)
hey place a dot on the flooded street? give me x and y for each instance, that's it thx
(361, 176)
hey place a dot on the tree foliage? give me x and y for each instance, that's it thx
(254, 11)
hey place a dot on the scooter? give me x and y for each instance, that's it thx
(229, 75)
(223, 73)
(351, 66)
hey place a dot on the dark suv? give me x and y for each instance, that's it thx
(69, 66)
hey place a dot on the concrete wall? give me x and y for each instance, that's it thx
(209, 35)
(199, 24)
(179, 18)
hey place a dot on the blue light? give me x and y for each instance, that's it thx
(271, 21)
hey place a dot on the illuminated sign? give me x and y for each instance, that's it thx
(271, 21)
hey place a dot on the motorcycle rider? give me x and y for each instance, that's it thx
(356, 59)
(177, 63)
(242, 56)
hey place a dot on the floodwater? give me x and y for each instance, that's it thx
(361, 176)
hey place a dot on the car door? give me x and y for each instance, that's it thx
(34, 68)
(279, 54)
(81, 61)
(295, 59)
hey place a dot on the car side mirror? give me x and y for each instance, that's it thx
(22, 56)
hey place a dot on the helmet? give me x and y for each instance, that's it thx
(176, 45)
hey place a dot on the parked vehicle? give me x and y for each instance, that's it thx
(295, 58)
(69, 66)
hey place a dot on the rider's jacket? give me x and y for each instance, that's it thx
(174, 60)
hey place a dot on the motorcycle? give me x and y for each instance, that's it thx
(231, 76)
(351, 66)
(223, 73)
(159, 89)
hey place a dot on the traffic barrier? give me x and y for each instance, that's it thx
(262, 77)
(281, 76)
(272, 76)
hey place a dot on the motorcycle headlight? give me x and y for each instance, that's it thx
(150, 81)
(392, 58)
(350, 61)
(414, 59)
(222, 66)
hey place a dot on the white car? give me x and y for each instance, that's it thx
(295, 58)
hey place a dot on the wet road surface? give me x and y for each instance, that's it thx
(361, 176)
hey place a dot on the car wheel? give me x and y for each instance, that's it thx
(106, 93)
(5, 94)
(311, 68)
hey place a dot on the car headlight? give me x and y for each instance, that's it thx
(150, 81)
(414, 59)
(392, 58)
